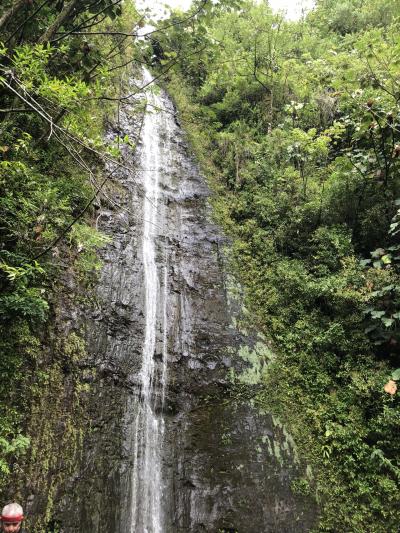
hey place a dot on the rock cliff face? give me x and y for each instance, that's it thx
(170, 447)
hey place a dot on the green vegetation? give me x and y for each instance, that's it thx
(60, 69)
(297, 126)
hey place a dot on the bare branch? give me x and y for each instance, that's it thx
(16, 110)
(112, 33)
(78, 158)
(140, 89)
(27, 20)
(48, 118)
(137, 34)
(123, 65)
(110, 56)
(255, 65)
(62, 17)
(82, 24)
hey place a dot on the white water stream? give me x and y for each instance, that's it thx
(204, 461)
(147, 483)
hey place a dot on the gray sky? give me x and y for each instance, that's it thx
(291, 7)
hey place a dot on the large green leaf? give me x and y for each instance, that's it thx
(396, 374)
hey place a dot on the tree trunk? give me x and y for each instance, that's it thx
(62, 17)
(16, 6)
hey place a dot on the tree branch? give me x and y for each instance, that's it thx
(27, 20)
(16, 110)
(107, 57)
(62, 17)
(85, 208)
(35, 106)
(135, 34)
(82, 24)
(255, 68)
(140, 89)
(15, 7)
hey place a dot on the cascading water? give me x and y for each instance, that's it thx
(147, 484)
(173, 449)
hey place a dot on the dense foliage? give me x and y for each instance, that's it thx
(298, 126)
(58, 62)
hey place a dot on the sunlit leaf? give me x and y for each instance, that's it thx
(390, 387)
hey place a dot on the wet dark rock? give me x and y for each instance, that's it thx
(226, 467)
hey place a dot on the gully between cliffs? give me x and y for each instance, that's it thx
(170, 449)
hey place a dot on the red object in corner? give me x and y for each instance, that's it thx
(12, 519)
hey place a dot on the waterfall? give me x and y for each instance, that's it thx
(173, 448)
(147, 482)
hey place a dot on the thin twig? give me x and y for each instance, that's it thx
(140, 89)
(16, 110)
(82, 24)
(42, 113)
(135, 34)
(26, 21)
